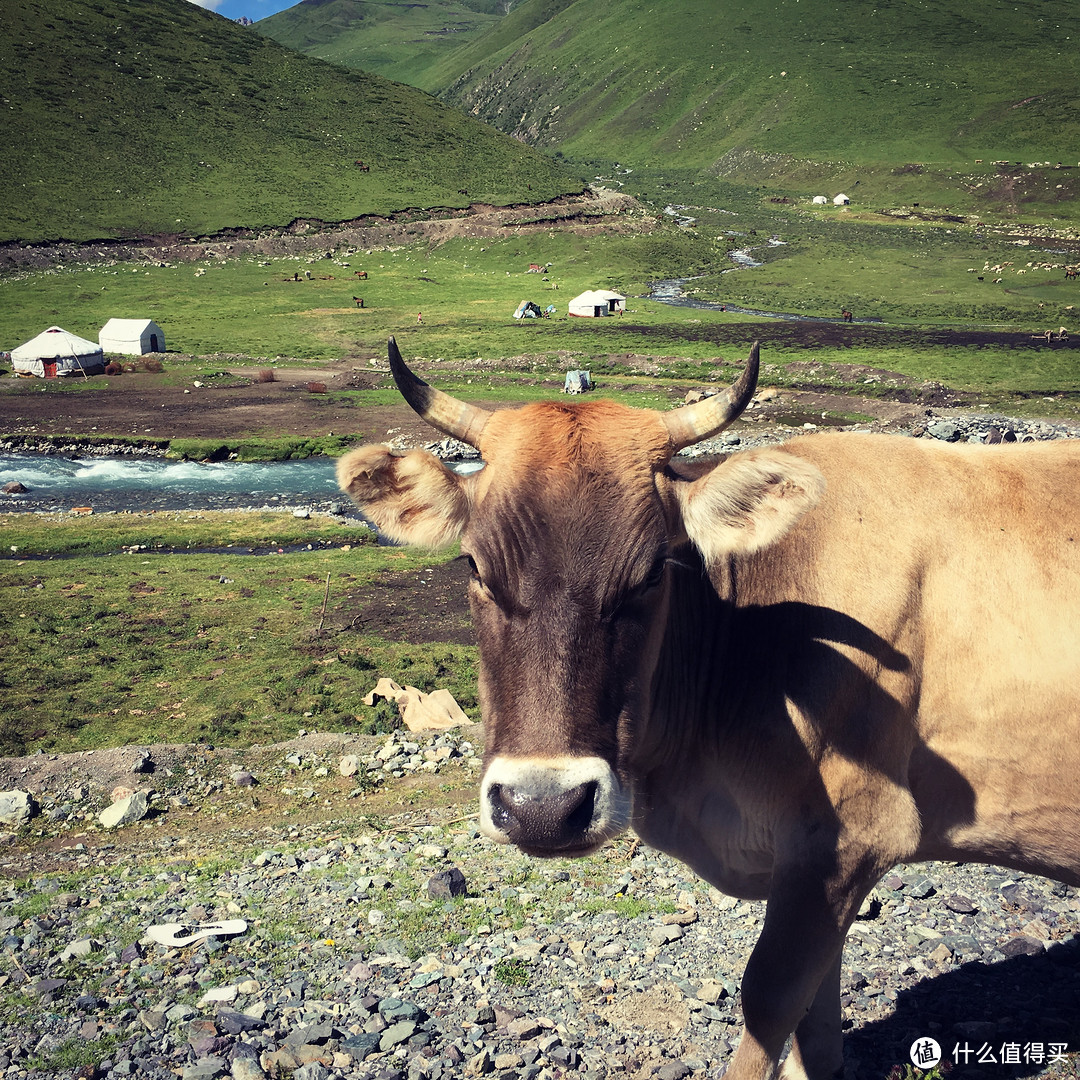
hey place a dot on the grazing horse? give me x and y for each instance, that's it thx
(359, 301)
(362, 274)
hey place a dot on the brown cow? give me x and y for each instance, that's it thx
(792, 667)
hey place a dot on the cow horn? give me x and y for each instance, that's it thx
(463, 421)
(692, 423)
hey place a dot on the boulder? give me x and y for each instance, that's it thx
(126, 811)
(16, 808)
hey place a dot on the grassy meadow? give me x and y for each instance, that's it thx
(132, 117)
(860, 83)
(249, 312)
(398, 39)
(124, 635)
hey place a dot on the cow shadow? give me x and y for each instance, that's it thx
(989, 1019)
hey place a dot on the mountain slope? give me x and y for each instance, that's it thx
(124, 117)
(685, 81)
(398, 39)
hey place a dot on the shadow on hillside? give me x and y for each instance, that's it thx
(976, 1011)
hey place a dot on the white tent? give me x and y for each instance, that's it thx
(841, 200)
(820, 200)
(57, 352)
(132, 337)
(595, 303)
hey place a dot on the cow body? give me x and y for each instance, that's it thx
(791, 668)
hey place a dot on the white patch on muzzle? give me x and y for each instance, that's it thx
(535, 783)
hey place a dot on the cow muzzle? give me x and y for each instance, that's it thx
(553, 806)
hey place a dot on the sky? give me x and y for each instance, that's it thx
(253, 9)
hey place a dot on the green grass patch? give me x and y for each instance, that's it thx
(513, 972)
(62, 534)
(149, 647)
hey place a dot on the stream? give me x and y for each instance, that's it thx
(56, 482)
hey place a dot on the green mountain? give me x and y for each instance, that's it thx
(129, 117)
(686, 82)
(399, 39)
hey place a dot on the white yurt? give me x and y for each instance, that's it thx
(57, 352)
(595, 303)
(841, 200)
(133, 337)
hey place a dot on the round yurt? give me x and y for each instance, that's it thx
(55, 352)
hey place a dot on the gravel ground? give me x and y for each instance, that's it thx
(358, 962)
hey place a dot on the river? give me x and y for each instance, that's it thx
(55, 482)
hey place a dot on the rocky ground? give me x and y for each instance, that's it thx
(343, 857)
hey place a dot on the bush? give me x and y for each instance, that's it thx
(266, 375)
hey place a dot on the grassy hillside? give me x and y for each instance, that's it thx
(395, 38)
(687, 81)
(125, 117)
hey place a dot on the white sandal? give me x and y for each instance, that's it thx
(177, 935)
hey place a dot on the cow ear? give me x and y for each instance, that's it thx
(747, 502)
(413, 499)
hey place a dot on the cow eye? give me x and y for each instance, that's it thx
(474, 570)
(656, 572)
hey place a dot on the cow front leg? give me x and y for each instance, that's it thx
(792, 981)
(818, 1047)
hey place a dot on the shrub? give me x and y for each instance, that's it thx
(266, 375)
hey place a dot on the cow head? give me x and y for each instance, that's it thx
(570, 530)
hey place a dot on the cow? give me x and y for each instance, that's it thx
(793, 667)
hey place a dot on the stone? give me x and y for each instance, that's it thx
(1022, 946)
(361, 1046)
(396, 1034)
(16, 808)
(945, 430)
(80, 949)
(14, 487)
(711, 992)
(349, 765)
(522, 1029)
(127, 811)
(673, 1070)
(205, 1069)
(447, 884)
(393, 1010)
(245, 1069)
(231, 1022)
(664, 935)
(314, 1070)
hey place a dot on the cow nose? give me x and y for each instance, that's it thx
(551, 821)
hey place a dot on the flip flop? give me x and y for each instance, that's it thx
(179, 934)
